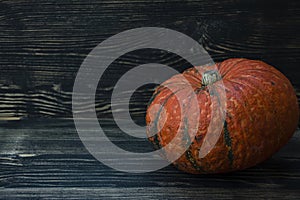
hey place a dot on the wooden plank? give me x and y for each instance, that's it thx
(46, 159)
(43, 43)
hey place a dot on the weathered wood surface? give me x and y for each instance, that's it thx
(45, 159)
(43, 43)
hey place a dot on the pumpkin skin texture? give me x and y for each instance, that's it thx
(261, 116)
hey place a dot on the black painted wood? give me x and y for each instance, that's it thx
(46, 159)
(44, 42)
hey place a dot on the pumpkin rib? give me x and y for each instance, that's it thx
(188, 153)
(230, 87)
(190, 158)
(264, 71)
(255, 87)
(282, 131)
(271, 103)
(190, 76)
(153, 98)
(223, 66)
(221, 147)
(156, 137)
(256, 76)
(186, 135)
(250, 85)
(259, 90)
(244, 83)
(227, 139)
(252, 66)
(245, 99)
(254, 82)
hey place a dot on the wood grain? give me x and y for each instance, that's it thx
(43, 43)
(45, 159)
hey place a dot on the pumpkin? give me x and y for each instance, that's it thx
(261, 115)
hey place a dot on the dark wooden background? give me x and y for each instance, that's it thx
(44, 42)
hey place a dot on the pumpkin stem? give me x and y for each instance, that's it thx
(210, 77)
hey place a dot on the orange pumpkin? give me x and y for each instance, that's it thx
(261, 115)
